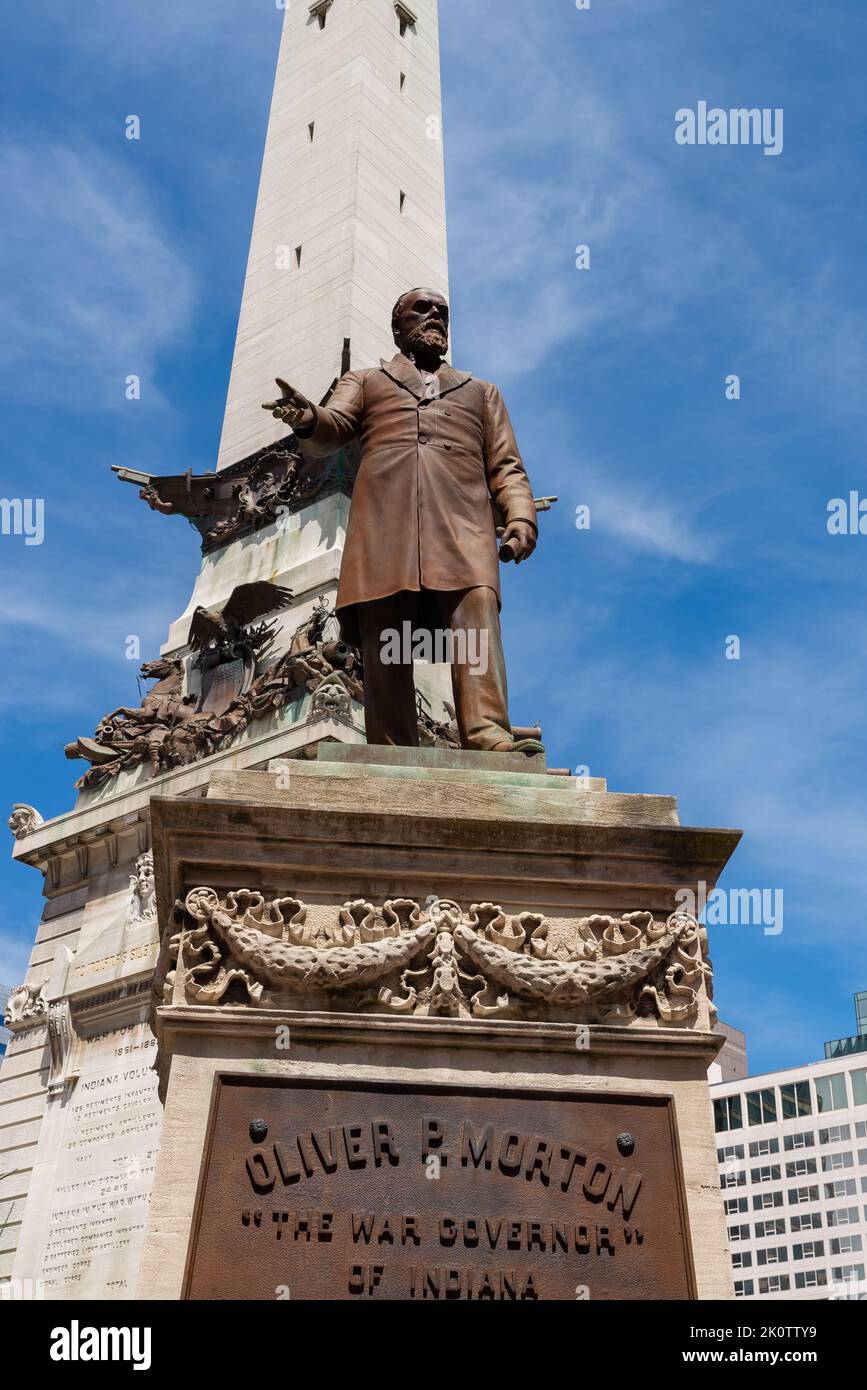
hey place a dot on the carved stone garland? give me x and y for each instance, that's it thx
(434, 960)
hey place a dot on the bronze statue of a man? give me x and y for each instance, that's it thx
(438, 456)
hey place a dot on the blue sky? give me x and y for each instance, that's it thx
(708, 516)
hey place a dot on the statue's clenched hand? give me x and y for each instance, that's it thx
(518, 541)
(292, 408)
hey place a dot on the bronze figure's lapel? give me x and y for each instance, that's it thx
(450, 379)
(401, 370)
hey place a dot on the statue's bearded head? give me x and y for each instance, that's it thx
(420, 323)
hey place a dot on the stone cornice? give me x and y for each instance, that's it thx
(251, 1026)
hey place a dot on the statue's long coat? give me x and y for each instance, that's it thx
(421, 515)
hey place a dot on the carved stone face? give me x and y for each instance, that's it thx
(423, 325)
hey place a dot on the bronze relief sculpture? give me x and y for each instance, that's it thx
(238, 686)
(439, 467)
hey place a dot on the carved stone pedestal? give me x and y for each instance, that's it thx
(429, 1027)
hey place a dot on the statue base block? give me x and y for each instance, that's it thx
(432, 1030)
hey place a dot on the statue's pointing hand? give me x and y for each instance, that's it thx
(292, 408)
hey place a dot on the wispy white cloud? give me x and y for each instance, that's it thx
(645, 524)
(763, 743)
(69, 647)
(93, 287)
(579, 154)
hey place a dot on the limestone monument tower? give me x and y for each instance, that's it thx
(309, 1016)
(351, 210)
(351, 206)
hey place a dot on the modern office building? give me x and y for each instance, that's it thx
(793, 1169)
(731, 1063)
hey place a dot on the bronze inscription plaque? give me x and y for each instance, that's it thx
(435, 1193)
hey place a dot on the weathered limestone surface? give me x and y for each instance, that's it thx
(211, 1042)
(384, 834)
(575, 883)
(81, 1061)
(337, 197)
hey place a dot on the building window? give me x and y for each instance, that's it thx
(846, 1245)
(739, 1232)
(764, 1148)
(842, 1216)
(832, 1163)
(862, 1158)
(770, 1173)
(831, 1092)
(776, 1227)
(846, 1187)
(737, 1177)
(775, 1283)
(795, 1100)
(845, 1273)
(764, 1201)
(810, 1221)
(801, 1168)
(744, 1288)
(859, 1088)
(797, 1195)
(762, 1107)
(809, 1250)
(804, 1140)
(811, 1279)
(407, 19)
(837, 1134)
(774, 1255)
(735, 1205)
(732, 1151)
(727, 1114)
(319, 10)
(861, 1127)
(741, 1259)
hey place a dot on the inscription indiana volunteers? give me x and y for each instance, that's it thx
(365, 1191)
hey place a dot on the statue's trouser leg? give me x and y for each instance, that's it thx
(389, 692)
(479, 682)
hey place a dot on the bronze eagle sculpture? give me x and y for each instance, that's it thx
(224, 628)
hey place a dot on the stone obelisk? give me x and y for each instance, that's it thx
(351, 212)
(351, 206)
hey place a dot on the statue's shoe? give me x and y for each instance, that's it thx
(531, 746)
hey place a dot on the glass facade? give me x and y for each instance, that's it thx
(727, 1114)
(795, 1100)
(847, 1047)
(762, 1107)
(831, 1092)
